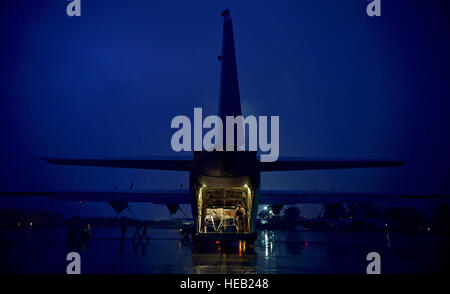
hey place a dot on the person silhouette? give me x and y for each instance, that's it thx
(240, 218)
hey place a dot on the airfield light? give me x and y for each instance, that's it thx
(217, 242)
(265, 208)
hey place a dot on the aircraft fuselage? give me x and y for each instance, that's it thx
(225, 187)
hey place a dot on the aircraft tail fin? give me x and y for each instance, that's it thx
(229, 101)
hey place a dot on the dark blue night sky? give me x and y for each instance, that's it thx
(109, 82)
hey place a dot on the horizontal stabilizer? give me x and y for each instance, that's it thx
(289, 163)
(159, 163)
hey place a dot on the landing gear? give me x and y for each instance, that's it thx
(140, 236)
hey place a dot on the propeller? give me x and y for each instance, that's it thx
(173, 208)
(119, 206)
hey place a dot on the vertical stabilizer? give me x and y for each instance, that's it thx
(230, 101)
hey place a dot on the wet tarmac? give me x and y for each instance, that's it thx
(45, 250)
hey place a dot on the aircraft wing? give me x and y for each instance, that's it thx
(178, 163)
(152, 196)
(276, 197)
(293, 163)
(269, 197)
(183, 163)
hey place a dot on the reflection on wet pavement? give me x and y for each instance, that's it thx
(44, 251)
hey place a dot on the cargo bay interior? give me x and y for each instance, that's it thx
(224, 210)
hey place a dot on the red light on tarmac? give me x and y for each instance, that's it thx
(217, 242)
